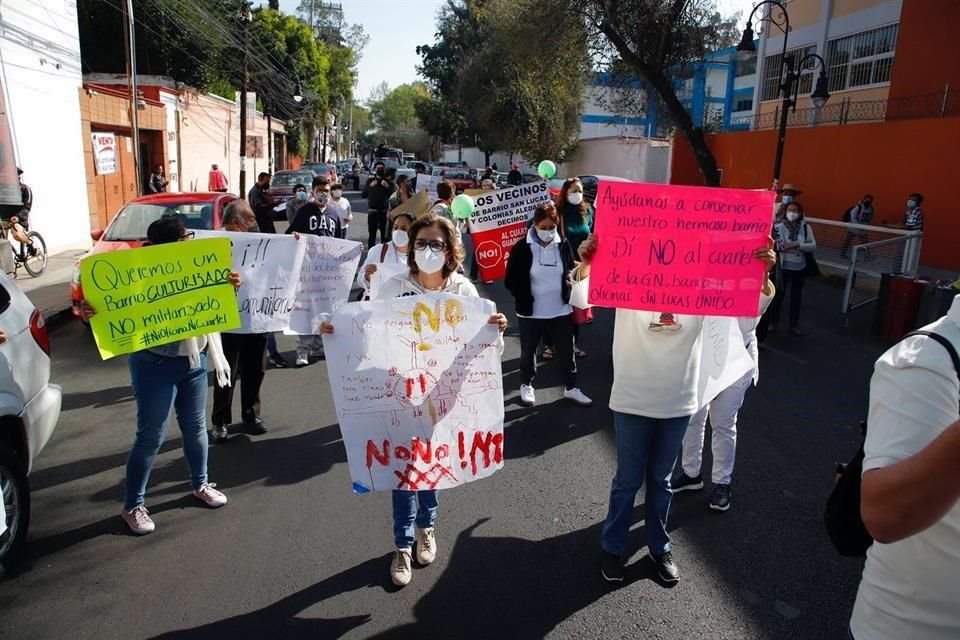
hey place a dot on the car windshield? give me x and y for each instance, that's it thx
(132, 221)
(457, 174)
(316, 168)
(291, 179)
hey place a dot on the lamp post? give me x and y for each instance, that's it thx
(791, 70)
(246, 17)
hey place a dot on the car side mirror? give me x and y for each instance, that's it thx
(96, 234)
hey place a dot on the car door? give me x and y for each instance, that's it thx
(21, 377)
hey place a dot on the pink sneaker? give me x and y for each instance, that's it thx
(210, 496)
(138, 519)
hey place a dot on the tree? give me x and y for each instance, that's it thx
(394, 115)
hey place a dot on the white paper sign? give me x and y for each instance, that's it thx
(326, 276)
(429, 183)
(723, 359)
(418, 390)
(105, 152)
(384, 272)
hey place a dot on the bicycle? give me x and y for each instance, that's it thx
(32, 255)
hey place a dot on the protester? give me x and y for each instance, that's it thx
(515, 178)
(798, 245)
(244, 353)
(788, 193)
(158, 182)
(393, 252)
(433, 268)
(652, 406)
(344, 210)
(860, 213)
(299, 199)
(170, 376)
(910, 492)
(538, 276)
(377, 191)
(487, 174)
(262, 203)
(319, 218)
(404, 191)
(217, 181)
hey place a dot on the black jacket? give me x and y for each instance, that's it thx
(377, 195)
(262, 205)
(310, 219)
(515, 178)
(517, 280)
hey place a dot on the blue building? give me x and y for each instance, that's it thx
(719, 90)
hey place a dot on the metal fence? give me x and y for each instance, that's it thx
(861, 254)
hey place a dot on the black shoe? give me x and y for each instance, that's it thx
(667, 569)
(278, 361)
(683, 482)
(611, 567)
(255, 425)
(219, 433)
(720, 497)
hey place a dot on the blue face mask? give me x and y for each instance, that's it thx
(786, 199)
(302, 196)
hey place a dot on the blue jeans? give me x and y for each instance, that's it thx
(411, 507)
(647, 449)
(272, 344)
(159, 384)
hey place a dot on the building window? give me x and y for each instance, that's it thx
(746, 67)
(861, 59)
(773, 73)
(743, 104)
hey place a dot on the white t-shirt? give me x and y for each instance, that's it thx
(343, 210)
(546, 279)
(911, 588)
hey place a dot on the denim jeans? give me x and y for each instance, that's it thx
(411, 507)
(647, 449)
(272, 344)
(159, 384)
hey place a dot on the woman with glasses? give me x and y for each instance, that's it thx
(538, 276)
(433, 262)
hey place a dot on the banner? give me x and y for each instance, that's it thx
(327, 270)
(160, 294)
(499, 221)
(679, 249)
(418, 390)
(104, 152)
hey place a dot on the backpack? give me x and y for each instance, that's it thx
(842, 515)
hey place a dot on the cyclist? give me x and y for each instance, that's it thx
(17, 222)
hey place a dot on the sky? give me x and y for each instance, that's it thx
(396, 27)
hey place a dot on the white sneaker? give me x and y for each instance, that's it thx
(527, 396)
(210, 496)
(426, 546)
(302, 360)
(577, 396)
(139, 520)
(401, 569)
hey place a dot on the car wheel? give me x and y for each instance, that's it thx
(16, 507)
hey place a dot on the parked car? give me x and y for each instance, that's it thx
(29, 410)
(128, 229)
(319, 169)
(590, 185)
(283, 182)
(333, 172)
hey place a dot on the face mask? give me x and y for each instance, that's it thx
(546, 235)
(400, 237)
(429, 261)
(575, 197)
(336, 193)
(911, 204)
(322, 198)
(302, 196)
(793, 216)
(786, 199)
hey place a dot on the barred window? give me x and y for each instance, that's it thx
(773, 73)
(861, 59)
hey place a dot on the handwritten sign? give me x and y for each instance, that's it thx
(679, 249)
(418, 390)
(156, 295)
(429, 184)
(499, 221)
(724, 358)
(326, 276)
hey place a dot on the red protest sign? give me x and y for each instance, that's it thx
(679, 249)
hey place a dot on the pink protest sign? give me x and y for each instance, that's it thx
(678, 249)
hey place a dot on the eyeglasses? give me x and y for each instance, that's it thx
(437, 246)
(188, 235)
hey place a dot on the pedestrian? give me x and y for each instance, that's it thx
(495, 167)
(860, 213)
(515, 178)
(217, 181)
(319, 218)
(393, 252)
(244, 352)
(433, 263)
(652, 406)
(441, 206)
(356, 176)
(910, 491)
(487, 174)
(157, 182)
(538, 276)
(299, 199)
(377, 191)
(913, 216)
(262, 203)
(788, 193)
(170, 376)
(344, 209)
(403, 193)
(798, 245)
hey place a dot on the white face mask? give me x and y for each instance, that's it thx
(911, 204)
(793, 216)
(546, 235)
(429, 261)
(786, 199)
(336, 193)
(400, 237)
(575, 197)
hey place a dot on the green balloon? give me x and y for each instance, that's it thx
(547, 169)
(462, 206)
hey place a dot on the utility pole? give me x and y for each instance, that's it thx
(266, 107)
(131, 56)
(245, 19)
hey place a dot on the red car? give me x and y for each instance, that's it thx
(128, 229)
(321, 170)
(461, 178)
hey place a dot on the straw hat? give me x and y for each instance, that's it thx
(789, 187)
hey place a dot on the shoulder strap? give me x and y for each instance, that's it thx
(946, 344)
(383, 251)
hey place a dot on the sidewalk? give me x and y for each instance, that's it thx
(50, 293)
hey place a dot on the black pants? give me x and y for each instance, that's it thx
(376, 221)
(794, 280)
(245, 354)
(561, 330)
(548, 339)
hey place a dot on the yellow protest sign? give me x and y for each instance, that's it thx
(160, 294)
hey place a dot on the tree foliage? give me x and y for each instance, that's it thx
(394, 116)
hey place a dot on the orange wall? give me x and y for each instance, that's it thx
(836, 165)
(928, 49)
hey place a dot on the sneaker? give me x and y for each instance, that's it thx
(577, 396)
(219, 433)
(139, 520)
(527, 396)
(611, 567)
(278, 361)
(426, 546)
(255, 425)
(302, 360)
(401, 569)
(683, 482)
(318, 353)
(210, 496)
(720, 497)
(667, 569)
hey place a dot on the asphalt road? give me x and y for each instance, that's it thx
(296, 554)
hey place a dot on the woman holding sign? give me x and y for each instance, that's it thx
(796, 263)
(436, 256)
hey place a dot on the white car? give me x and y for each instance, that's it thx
(29, 410)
